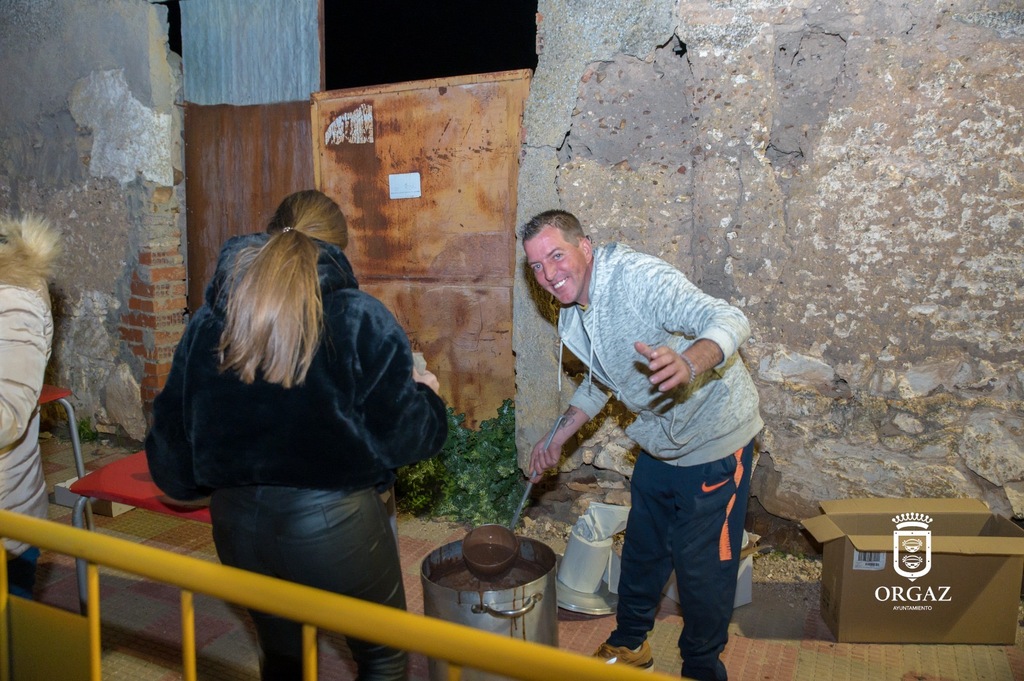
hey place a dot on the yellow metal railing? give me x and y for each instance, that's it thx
(460, 645)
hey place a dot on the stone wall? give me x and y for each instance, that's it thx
(90, 138)
(850, 174)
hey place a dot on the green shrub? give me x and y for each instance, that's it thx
(86, 433)
(419, 487)
(475, 478)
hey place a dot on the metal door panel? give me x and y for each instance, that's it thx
(442, 260)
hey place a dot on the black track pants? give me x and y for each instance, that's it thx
(689, 518)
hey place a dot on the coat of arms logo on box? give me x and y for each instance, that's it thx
(912, 545)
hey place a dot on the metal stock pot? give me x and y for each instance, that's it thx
(520, 603)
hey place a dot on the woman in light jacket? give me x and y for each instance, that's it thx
(28, 248)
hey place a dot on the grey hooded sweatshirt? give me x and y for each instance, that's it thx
(638, 297)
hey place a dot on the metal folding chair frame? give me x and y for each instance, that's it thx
(51, 394)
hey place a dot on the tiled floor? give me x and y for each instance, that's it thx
(775, 638)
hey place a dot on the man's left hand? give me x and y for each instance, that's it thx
(668, 369)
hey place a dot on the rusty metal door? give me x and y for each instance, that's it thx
(240, 161)
(426, 173)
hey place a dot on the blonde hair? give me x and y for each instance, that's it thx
(29, 247)
(274, 316)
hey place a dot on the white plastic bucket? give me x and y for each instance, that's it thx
(584, 564)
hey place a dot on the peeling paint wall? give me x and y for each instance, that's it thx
(851, 175)
(129, 138)
(92, 141)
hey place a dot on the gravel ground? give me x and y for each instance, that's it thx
(769, 566)
(778, 567)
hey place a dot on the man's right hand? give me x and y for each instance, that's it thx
(548, 451)
(542, 459)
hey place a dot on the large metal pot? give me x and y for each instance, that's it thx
(521, 603)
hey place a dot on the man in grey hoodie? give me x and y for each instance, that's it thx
(668, 352)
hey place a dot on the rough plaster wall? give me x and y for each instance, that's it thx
(850, 175)
(140, 141)
(569, 37)
(93, 131)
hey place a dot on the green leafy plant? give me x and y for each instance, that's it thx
(419, 487)
(86, 433)
(475, 478)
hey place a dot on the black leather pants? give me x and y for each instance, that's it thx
(336, 541)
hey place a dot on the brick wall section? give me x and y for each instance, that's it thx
(154, 321)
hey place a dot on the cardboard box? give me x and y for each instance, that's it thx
(918, 571)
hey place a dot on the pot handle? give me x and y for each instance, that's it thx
(510, 614)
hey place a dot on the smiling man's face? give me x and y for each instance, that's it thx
(562, 268)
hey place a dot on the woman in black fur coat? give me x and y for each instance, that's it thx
(292, 399)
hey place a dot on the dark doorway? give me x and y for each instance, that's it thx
(392, 41)
(173, 25)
